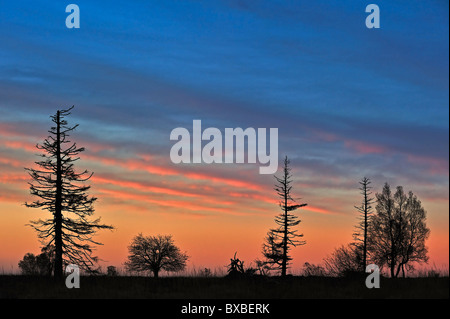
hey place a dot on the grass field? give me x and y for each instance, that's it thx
(255, 287)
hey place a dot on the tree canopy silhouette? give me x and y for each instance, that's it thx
(63, 192)
(280, 240)
(155, 253)
(41, 264)
(398, 231)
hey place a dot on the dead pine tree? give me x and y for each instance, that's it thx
(63, 192)
(364, 210)
(280, 240)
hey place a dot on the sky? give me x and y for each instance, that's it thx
(348, 102)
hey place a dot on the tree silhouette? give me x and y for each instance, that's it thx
(111, 271)
(280, 240)
(312, 270)
(28, 265)
(398, 231)
(63, 193)
(236, 266)
(365, 210)
(343, 261)
(41, 264)
(155, 253)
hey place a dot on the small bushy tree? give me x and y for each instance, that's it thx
(41, 264)
(111, 271)
(312, 270)
(343, 260)
(155, 253)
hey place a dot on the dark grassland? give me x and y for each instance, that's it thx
(254, 287)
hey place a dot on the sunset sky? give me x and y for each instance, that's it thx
(348, 102)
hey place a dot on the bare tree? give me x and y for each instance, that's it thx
(312, 270)
(384, 241)
(398, 231)
(262, 267)
(344, 260)
(280, 240)
(365, 210)
(63, 193)
(155, 253)
(413, 236)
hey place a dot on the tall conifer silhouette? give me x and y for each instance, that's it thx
(63, 192)
(280, 240)
(365, 211)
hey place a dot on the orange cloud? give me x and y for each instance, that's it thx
(319, 210)
(11, 162)
(28, 147)
(141, 186)
(180, 204)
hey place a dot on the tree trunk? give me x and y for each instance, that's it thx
(392, 265)
(155, 273)
(366, 204)
(58, 204)
(399, 267)
(393, 252)
(284, 261)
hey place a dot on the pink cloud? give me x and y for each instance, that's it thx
(435, 166)
(364, 147)
(319, 210)
(26, 146)
(140, 186)
(11, 162)
(178, 204)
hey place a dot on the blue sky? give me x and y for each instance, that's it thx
(303, 67)
(348, 101)
(238, 63)
(284, 53)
